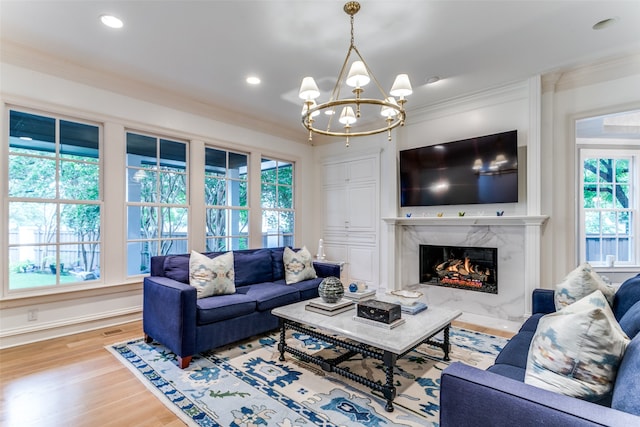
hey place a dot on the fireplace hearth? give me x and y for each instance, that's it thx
(469, 268)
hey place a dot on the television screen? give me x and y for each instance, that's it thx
(471, 171)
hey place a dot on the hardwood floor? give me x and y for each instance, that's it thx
(73, 381)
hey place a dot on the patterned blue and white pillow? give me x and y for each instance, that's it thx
(578, 284)
(576, 351)
(212, 276)
(298, 266)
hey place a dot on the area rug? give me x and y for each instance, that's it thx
(246, 385)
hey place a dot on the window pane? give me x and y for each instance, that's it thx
(285, 198)
(216, 222)
(269, 171)
(592, 222)
(139, 256)
(141, 185)
(79, 141)
(590, 170)
(238, 165)
(79, 181)
(141, 150)
(622, 170)
(173, 188)
(173, 155)
(32, 222)
(142, 222)
(215, 191)
(606, 171)
(285, 173)
(29, 267)
(173, 247)
(83, 221)
(622, 196)
(215, 162)
(609, 225)
(268, 196)
(33, 177)
(286, 222)
(174, 222)
(32, 134)
(216, 245)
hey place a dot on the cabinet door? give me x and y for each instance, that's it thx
(362, 169)
(360, 210)
(335, 208)
(363, 265)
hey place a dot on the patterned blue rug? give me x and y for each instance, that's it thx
(246, 385)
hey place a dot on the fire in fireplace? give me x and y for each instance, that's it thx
(471, 268)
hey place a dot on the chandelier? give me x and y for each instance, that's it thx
(383, 114)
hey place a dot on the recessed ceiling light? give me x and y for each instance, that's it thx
(605, 23)
(432, 79)
(253, 80)
(111, 21)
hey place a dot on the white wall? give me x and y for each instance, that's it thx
(606, 87)
(120, 300)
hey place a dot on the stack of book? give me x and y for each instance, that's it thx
(317, 305)
(413, 309)
(357, 296)
(383, 325)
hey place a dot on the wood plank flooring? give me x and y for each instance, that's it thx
(74, 381)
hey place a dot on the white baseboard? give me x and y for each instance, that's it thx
(44, 331)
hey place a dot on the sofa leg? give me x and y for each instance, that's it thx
(148, 339)
(183, 362)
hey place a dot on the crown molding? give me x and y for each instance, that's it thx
(39, 61)
(592, 73)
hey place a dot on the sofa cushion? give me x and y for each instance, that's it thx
(223, 307)
(277, 263)
(576, 351)
(270, 295)
(252, 267)
(630, 322)
(298, 266)
(627, 295)
(211, 276)
(516, 351)
(176, 267)
(308, 288)
(579, 283)
(627, 389)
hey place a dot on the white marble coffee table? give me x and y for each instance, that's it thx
(376, 342)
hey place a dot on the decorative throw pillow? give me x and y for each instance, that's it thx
(211, 276)
(298, 266)
(579, 283)
(577, 350)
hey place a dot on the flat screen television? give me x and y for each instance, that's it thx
(478, 170)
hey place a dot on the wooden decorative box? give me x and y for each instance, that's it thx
(379, 311)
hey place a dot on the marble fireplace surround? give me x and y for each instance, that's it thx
(516, 237)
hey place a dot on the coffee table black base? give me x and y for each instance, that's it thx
(331, 365)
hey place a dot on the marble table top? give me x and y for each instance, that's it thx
(398, 340)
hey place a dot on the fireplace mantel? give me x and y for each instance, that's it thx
(470, 220)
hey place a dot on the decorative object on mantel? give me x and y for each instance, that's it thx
(440, 214)
(331, 289)
(408, 215)
(383, 114)
(461, 213)
(320, 254)
(406, 297)
(499, 213)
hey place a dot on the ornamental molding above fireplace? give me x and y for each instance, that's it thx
(537, 220)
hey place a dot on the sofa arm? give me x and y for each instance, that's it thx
(472, 397)
(169, 314)
(542, 301)
(327, 269)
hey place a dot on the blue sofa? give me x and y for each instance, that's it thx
(499, 396)
(173, 316)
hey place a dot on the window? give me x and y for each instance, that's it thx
(277, 203)
(227, 216)
(157, 201)
(609, 189)
(54, 201)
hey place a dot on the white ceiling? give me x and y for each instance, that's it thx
(204, 50)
